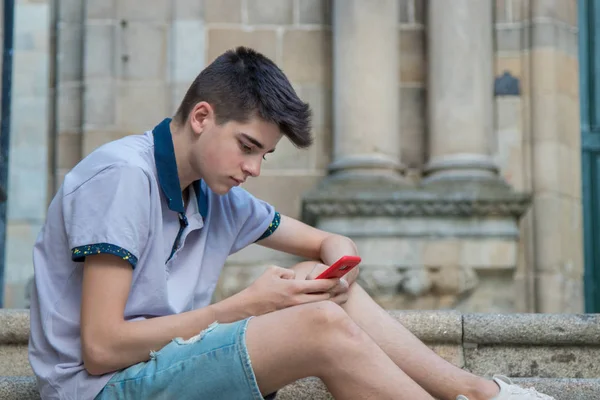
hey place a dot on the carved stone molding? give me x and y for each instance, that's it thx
(373, 199)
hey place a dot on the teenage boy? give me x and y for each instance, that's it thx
(135, 241)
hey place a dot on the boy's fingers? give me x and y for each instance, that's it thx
(316, 285)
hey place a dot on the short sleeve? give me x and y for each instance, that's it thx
(109, 213)
(255, 219)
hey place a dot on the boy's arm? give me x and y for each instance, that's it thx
(295, 237)
(110, 343)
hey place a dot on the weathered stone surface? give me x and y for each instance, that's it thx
(538, 361)
(432, 326)
(14, 360)
(534, 329)
(14, 326)
(18, 388)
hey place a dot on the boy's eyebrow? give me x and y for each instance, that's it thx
(255, 142)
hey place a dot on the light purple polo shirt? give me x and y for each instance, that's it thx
(125, 199)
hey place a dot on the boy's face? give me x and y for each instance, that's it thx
(226, 155)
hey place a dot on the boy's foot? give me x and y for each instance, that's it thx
(510, 391)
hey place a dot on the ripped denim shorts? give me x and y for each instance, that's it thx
(213, 365)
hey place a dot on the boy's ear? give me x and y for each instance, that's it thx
(201, 117)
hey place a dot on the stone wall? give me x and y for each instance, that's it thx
(29, 144)
(122, 66)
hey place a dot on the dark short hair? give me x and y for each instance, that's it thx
(241, 84)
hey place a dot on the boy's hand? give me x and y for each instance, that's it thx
(339, 293)
(277, 288)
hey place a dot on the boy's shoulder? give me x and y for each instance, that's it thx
(131, 153)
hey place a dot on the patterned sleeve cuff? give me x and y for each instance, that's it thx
(272, 226)
(78, 254)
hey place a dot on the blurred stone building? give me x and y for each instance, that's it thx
(448, 133)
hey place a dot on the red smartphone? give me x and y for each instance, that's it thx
(340, 268)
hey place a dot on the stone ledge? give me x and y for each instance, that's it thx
(14, 326)
(532, 329)
(24, 388)
(432, 326)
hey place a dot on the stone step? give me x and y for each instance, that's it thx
(557, 353)
(23, 388)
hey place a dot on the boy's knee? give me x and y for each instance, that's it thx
(327, 316)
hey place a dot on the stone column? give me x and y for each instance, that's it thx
(460, 90)
(366, 95)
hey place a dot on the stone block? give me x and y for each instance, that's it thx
(548, 244)
(319, 98)
(568, 76)
(30, 75)
(544, 80)
(69, 57)
(314, 12)
(404, 11)
(13, 361)
(557, 10)
(31, 26)
(188, 49)
(18, 388)
(27, 185)
(261, 40)
(509, 38)
(141, 105)
(270, 12)
(420, 11)
(143, 51)
(545, 166)
(501, 11)
(28, 132)
(321, 150)
(391, 252)
(441, 253)
(413, 68)
(451, 353)
(534, 361)
(229, 11)
(305, 389)
(189, 10)
(307, 56)
(100, 53)
(96, 9)
(14, 328)
(531, 329)
(71, 10)
(144, 10)
(283, 191)
(20, 238)
(551, 288)
(569, 122)
(412, 126)
(69, 116)
(519, 10)
(439, 327)
(68, 149)
(490, 291)
(94, 139)
(489, 254)
(287, 157)
(99, 103)
(549, 34)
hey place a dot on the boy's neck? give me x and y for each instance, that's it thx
(180, 145)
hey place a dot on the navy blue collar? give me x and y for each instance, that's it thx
(166, 167)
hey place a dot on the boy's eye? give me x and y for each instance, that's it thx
(245, 148)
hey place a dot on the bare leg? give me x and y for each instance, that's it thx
(320, 339)
(439, 377)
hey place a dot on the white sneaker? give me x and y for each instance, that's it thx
(510, 391)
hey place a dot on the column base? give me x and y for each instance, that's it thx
(367, 166)
(466, 166)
